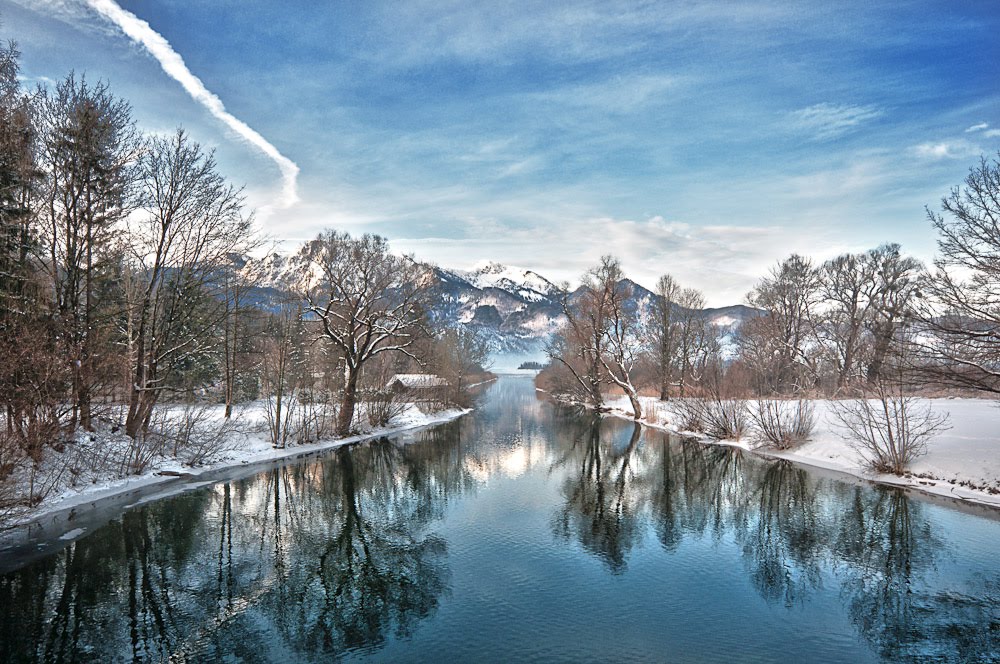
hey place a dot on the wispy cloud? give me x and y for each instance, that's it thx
(947, 150)
(42, 80)
(173, 64)
(616, 94)
(825, 121)
(977, 127)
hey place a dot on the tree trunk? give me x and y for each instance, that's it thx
(83, 396)
(636, 406)
(594, 378)
(140, 410)
(346, 415)
(231, 342)
(845, 371)
(883, 339)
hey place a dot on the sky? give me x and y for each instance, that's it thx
(704, 140)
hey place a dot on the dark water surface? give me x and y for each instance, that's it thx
(521, 532)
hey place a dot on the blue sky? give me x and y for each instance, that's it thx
(707, 140)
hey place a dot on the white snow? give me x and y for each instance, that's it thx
(962, 462)
(528, 284)
(724, 321)
(248, 445)
(417, 381)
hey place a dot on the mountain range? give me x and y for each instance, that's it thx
(516, 310)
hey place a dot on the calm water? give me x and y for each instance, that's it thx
(519, 533)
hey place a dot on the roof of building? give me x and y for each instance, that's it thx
(417, 381)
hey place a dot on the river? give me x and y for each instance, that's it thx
(521, 532)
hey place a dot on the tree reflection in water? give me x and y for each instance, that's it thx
(318, 558)
(782, 538)
(600, 508)
(58, 609)
(796, 533)
(892, 547)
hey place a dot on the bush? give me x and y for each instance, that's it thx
(191, 434)
(726, 419)
(317, 416)
(720, 418)
(783, 424)
(687, 414)
(889, 430)
(383, 405)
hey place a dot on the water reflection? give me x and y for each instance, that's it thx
(782, 539)
(319, 558)
(601, 494)
(344, 555)
(796, 533)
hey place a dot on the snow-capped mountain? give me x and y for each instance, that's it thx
(515, 309)
(526, 283)
(518, 309)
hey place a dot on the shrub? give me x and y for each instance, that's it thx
(720, 418)
(383, 405)
(726, 419)
(687, 414)
(192, 434)
(783, 424)
(889, 429)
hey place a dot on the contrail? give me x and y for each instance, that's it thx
(173, 64)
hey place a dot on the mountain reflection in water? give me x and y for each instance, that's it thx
(451, 540)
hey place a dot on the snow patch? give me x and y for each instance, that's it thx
(962, 462)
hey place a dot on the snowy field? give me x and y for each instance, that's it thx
(962, 462)
(77, 480)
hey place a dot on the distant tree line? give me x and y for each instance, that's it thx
(127, 279)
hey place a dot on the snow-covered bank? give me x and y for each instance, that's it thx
(962, 462)
(248, 445)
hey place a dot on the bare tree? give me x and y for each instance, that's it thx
(896, 280)
(846, 285)
(888, 427)
(90, 149)
(664, 331)
(694, 337)
(579, 345)
(961, 313)
(621, 347)
(457, 354)
(239, 278)
(367, 301)
(191, 224)
(280, 375)
(775, 345)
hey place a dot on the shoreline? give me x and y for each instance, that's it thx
(925, 486)
(40, 528)
(935, 487)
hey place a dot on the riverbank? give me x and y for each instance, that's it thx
(248, 444)
(962, 462)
